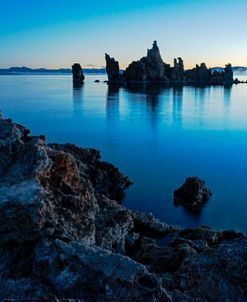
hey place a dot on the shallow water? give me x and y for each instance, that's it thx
(156, 137)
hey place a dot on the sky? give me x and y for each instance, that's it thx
(57, 33)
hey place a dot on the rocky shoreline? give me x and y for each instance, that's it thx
(64, 235)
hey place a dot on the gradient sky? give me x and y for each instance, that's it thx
(56, 33)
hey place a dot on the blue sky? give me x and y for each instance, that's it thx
(57, 33)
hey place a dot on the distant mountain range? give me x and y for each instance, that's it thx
(27, 70)
(236, 69)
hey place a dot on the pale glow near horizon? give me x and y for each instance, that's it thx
(45, 35)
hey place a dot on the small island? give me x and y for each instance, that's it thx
(151, 69)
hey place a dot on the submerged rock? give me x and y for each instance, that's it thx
(64, 236)
(78, 76)
(193, 193)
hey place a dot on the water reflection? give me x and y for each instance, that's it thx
(137, 95)
(227, 95)
(195, 213)
(201, 94)
(177, 102)
(112, 103)
(77, 99)
(151, 94)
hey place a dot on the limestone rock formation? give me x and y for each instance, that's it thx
(228, 75)
(64, 237)
(178, 70)
(193, 193)
(151, 69)
(112, 69)
(199, 75)
(218, 77)
(78, 76)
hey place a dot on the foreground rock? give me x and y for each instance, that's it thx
(64, 236)
(193, 193)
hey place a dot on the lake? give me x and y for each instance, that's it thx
(157, 137)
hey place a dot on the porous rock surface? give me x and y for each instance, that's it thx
(64, 236)
(193, 193)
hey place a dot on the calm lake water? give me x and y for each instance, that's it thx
(156, 137)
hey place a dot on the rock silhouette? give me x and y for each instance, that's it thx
(151, 69)
(112, 69)
(78, 76)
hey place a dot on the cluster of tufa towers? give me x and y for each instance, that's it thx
(151, 69)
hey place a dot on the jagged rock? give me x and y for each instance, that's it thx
(160, 259)
(63, 237)
(228, 75)
(136, 72)
(105, 178)
(178, 71)
(149, 69)
(216, 274)
(199, 75)
(204, 74)
(192, 193)
(112, 69)
(202, 238)
(114, 223)
(78, 76)
(73, 270)
(217, 77)
(53, 195)
(41, 190)
(50, 298)
(151, 227)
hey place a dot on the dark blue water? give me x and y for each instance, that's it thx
(156, 137)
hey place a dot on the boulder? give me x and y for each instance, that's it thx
(217, 274)
(193, 193)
